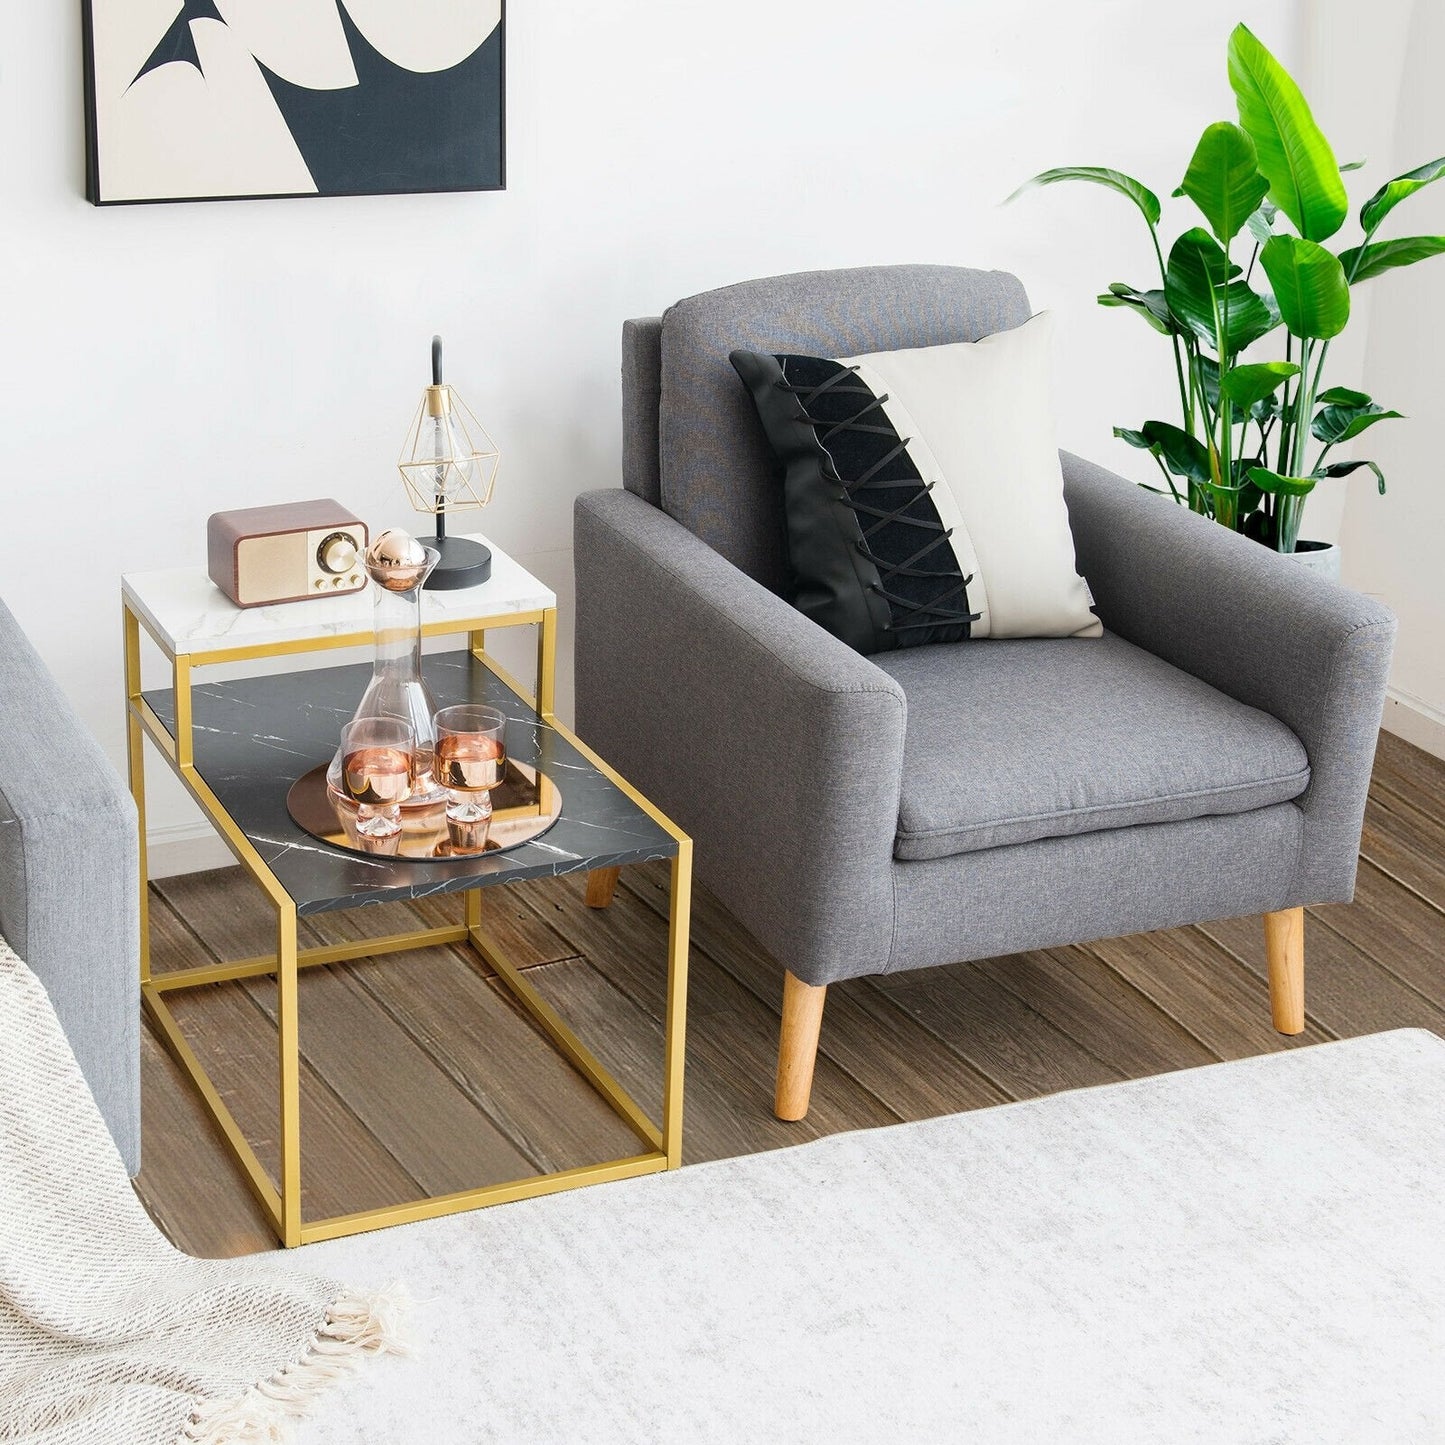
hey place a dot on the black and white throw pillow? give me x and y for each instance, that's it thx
(922, 491)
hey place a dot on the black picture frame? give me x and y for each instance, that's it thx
(336, 125)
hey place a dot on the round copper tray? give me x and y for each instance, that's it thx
(523, 808)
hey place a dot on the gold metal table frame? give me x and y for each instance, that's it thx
(661, 1144)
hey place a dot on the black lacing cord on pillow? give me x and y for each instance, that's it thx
(905, 568)
(930, 614)
(898, 514)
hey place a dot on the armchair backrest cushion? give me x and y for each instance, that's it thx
(717, 474)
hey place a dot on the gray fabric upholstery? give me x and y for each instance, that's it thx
(641, 387)
(1117, 737)
(1094, 885)
(69, 880)
(718, 475)
(1256, 626)
(791, 758)
(777, 747)
(782, 752)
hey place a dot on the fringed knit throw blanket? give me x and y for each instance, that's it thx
(108, 1335)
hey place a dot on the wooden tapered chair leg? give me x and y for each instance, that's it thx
(798, 1046)
(601, 885)
(1284, 949)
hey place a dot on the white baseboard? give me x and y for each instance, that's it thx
(1413, 719)
(185, 848)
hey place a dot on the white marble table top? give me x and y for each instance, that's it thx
(189, 613)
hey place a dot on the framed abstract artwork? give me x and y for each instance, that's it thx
(209, 100)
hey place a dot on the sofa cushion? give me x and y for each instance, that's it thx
(922, 490)
(1008, 741)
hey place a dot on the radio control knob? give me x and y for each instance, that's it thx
(337, 553)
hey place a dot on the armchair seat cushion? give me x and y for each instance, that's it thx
(1009, 741)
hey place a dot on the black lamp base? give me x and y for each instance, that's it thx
(464, 563)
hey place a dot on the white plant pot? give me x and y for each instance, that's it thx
(1323, 557)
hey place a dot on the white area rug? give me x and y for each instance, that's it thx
(1247, 1254)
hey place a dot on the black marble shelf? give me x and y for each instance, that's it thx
(253, 739)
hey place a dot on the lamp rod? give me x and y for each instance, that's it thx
(436, 380)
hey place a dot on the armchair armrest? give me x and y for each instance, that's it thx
(1256, 626)
(776, 746)
(69, 880)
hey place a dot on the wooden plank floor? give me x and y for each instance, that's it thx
(419, 1075)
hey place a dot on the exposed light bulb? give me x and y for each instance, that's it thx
(455, 467)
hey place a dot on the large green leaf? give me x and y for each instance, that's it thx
(1363, 262)
(1343, 469)
(1151, 305)
(1198, 279)
(1337, 422)
(1309, 286)
(1393, 192)
(1293, 154)
(1343, 396)
(1245, 385)
(1223, 179)
(1250, 317)
(1193, 280)
(1115, 181)
(1183, 454)
(1278, 486)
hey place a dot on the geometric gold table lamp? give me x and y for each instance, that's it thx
(449, 464)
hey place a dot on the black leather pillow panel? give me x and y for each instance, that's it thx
(869, 559)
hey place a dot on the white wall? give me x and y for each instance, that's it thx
(1393, 544)
(162, 362)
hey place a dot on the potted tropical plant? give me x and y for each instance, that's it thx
(1256, 434)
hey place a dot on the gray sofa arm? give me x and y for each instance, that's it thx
(777, 747)
(69, 880)
(1256, 626)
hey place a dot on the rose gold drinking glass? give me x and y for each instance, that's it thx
(378, 760)
(470, 760)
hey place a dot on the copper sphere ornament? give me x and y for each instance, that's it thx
(397, 561)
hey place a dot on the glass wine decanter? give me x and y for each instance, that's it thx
(398, 565)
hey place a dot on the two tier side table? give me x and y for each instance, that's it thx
(237, 746)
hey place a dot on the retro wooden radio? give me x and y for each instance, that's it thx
(286, 553)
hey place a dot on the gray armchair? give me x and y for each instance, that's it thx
(1208, 757)
(69, 880)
